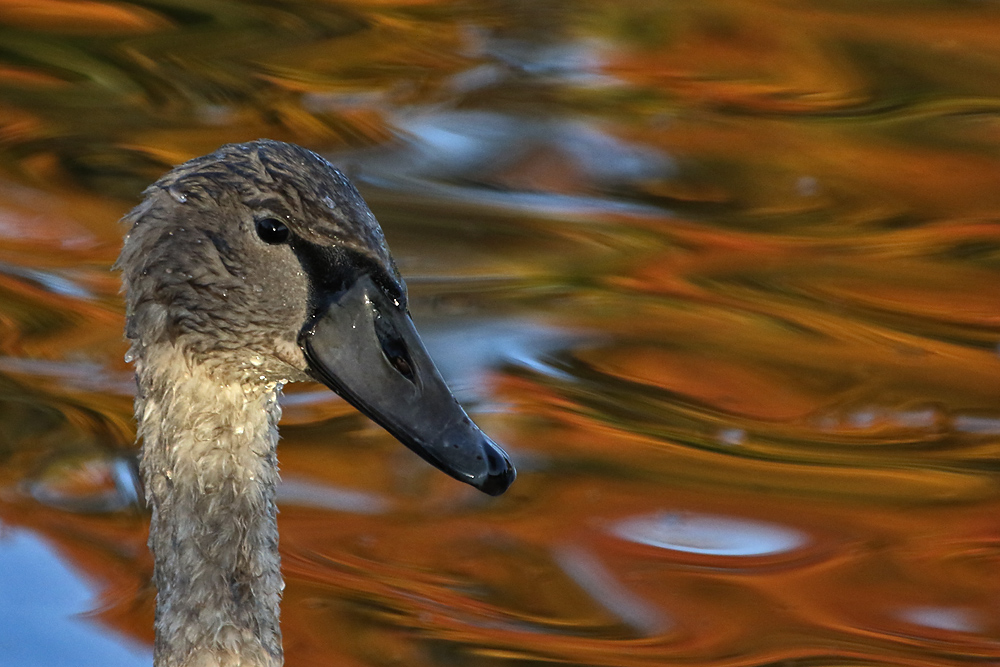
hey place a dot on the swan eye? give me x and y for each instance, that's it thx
(272, 231)
(393, 348)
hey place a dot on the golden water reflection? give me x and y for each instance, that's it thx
(722, 276)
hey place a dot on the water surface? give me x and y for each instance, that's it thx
(722, 276)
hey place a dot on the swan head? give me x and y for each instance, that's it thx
(262, 263)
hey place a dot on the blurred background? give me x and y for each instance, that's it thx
(723, 276)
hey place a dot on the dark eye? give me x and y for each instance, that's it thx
(272, 230)
(394, 348)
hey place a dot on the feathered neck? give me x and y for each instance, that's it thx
(210, 469)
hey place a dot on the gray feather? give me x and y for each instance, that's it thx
(213, 315)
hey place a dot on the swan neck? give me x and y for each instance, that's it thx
(210, 469)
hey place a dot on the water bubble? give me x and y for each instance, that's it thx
(129, 356)
(180, 197)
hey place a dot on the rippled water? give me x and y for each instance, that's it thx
(723, 277)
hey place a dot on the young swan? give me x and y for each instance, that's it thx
(245, 269)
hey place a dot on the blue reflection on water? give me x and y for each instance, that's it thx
(35, 629)
(465, 356)
(300, 491)
(710, 535)
(942, 618)
(598, 581)
(48, 280)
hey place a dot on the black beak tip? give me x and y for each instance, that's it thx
(500, 472)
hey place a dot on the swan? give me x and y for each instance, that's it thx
(254, 266)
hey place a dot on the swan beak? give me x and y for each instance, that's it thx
(365, 347)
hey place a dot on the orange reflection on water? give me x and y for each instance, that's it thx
(721, 275)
